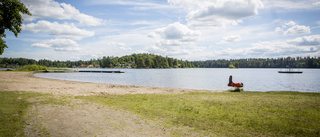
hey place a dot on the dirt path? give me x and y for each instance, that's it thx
(82, 118)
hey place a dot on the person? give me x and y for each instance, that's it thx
(234, 84)
(230, 80)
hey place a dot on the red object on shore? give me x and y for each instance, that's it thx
(234, 84)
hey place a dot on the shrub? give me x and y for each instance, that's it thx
(32, 68)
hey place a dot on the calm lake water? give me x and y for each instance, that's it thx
(201, 78)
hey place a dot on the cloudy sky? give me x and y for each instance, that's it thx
(184, 29)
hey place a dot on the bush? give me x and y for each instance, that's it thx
(32, 68)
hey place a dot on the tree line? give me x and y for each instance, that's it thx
(129, 61)
(283, 62)
(156, 61)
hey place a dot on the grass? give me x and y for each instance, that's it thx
(212, 114)
(59, 69)
(229, 113)
(31, 68)
(13, 106)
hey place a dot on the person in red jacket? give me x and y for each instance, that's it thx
(234, 84)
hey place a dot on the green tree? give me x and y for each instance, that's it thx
(11, 19)
(164, 63)
(170, 61)
(236, 64)
(148, 62)
(104, 62)
(140, 62)
(231, 65)
(175, 63)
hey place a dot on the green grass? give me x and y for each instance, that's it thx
(31, 68)
(59, 69)
(229, 113)
(13, 106)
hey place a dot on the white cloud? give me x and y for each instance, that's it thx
(280, 49)
(175, 39)
(58, 45)
(115, 44)
(298, 30)
(137, 5)
(300, 46)
(171, 48)
(294, 29)
(216, 13)
(169, 51)
(118, 45)
(106, 47)
(291, 4)
(176, 31)
(56, 10)
(295, 47)
(313, 40)
(316, 3)
(228, 39)
(69, 31)
(278, 29)
(290, 23)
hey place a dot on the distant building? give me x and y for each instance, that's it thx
(128, 65)
(90, 66)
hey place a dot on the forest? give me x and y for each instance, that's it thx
(129, 61)
(283, 62)
(156, 61)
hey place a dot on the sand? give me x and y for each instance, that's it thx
(83, 118)
(25, 81)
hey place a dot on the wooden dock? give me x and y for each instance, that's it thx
(98, 71)
(85, 71)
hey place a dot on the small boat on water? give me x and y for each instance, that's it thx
(290, 70)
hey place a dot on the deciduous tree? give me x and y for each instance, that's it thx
(11, 19)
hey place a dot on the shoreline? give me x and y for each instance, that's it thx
(26, 81)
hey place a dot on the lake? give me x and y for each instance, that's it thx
(201, 78)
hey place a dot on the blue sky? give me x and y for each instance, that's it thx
(184, 29)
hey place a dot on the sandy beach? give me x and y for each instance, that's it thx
(82, 118)
(25, 81)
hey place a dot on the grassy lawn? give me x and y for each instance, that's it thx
(229, 113)
(13, 106)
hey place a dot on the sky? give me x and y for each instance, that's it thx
(185, 29)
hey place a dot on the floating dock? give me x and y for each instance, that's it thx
(86, 71)
(98, 71)
(290, 72)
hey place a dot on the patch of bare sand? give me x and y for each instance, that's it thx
(83, 118)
